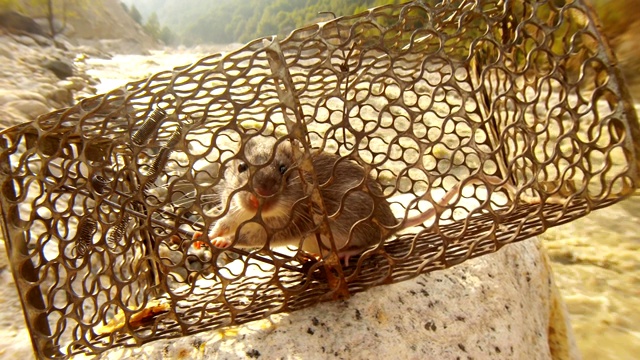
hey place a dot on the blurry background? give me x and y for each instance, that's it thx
(100, 45)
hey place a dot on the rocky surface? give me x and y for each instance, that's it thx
(627, 51)
(499, 306)
(37, 77)
(19, 23)
(596, 265)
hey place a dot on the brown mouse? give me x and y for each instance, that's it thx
(276, 195)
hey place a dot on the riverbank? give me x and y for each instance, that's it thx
(37, 77)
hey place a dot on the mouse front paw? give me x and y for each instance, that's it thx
(221, 242)
(220, 229)
(198, 244)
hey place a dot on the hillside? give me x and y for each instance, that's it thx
(103, 24)
(226, 21)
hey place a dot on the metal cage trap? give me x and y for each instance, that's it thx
(359, 151)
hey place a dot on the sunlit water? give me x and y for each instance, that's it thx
(596, 259)
(121, 69)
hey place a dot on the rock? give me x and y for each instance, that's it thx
(42, 40)
(122, 46)
(29, 85)
(499, 306)
(62, 97)
(27, 41)
(69, 30)
(62, 45)
(111, 22)
(8, 97)
(10, 117)
(46, 88)
(66, 84)
(91, 51)
(43, 22)
(16, 22)
(5, 52)
(62, 69)
(31, 108)
(627, 52)
(72, 83)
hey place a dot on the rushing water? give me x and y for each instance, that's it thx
(596, 259)
(121, 69)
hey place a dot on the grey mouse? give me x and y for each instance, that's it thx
(359, 215)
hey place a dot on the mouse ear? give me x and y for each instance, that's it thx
(295, 143)
(291, 147)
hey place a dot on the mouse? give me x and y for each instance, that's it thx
(359, 215)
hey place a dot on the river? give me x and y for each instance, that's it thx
(120, 69)
(596, 259)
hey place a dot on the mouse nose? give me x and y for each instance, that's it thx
(253, 201)
(265, 185)
(265, 191)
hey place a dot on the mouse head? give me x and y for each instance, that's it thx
(272, 177)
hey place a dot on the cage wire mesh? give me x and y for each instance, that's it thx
(359, 151)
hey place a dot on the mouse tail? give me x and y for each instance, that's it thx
(450, 195)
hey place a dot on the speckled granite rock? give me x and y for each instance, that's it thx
(499, 306)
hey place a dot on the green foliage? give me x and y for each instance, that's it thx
(135, 14)
(152, 26)
(10, 5)
(166, 35)
(225, 21)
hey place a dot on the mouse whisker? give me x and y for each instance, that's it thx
(183, 201)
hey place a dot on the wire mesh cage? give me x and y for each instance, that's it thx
(359, 151)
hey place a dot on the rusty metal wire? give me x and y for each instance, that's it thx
(514, 108)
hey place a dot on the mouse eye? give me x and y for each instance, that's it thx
(283, 169)
(242, 167)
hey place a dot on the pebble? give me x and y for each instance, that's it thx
(62, 69)
(72, 83)
(31, 108)
(7, 97)
(4, 52)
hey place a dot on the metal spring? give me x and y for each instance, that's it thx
(157, 164)
(148, 126)
(161, 159)
(100, 184)
(84, 242)
(119, 230)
